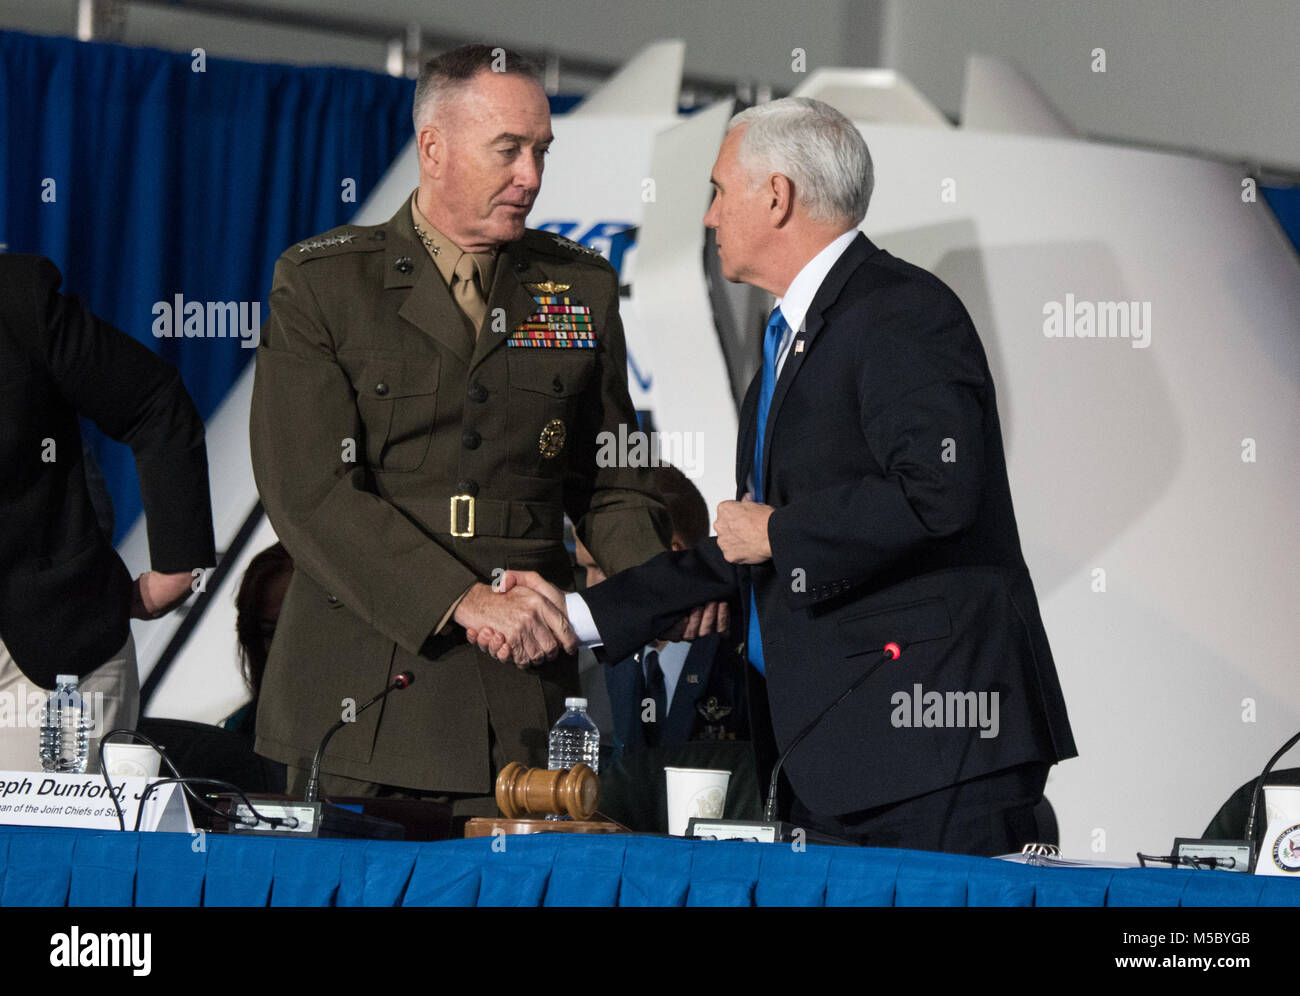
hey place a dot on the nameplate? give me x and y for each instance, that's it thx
(47, 799)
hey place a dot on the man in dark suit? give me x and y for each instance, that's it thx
(65, 595)
(880, 513)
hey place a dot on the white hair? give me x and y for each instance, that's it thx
(817, 147)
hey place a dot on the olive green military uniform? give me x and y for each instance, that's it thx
(374, 406)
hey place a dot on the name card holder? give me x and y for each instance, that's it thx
(50, 799)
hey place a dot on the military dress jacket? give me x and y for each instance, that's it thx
(400, 461)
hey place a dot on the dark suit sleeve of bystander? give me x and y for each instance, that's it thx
(136, 398)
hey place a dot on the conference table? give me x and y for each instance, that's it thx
(67, 867)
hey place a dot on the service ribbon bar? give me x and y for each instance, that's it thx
(553, 343)
(558, 323)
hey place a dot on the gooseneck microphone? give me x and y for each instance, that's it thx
(890, 652)
(1258, 793)
(403, 680)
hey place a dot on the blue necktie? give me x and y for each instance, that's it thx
(776, 330)
(657, 689)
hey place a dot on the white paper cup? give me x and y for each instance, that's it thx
(700, 792)
(131, 760)
(1282, 803)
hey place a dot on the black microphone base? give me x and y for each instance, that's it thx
(763, 831)
(312, 819)
(1230, 855)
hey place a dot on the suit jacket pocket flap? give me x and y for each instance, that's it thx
(557, 373)
(905, 625)
(385, 376)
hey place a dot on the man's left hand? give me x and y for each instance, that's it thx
(742, 531)
(703, 620)
(155, 594)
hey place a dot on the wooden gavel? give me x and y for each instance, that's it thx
(523, 791)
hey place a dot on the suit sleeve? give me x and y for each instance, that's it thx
(921, 387)
(634, 607)
(616, 511)
(355, 544)
(136, 398)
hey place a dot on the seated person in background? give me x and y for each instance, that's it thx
(669, 694)
(257, 610)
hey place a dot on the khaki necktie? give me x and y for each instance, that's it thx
(467, 292)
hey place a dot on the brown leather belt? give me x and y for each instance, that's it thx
(469, 516)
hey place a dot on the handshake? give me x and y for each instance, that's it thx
(522, 619)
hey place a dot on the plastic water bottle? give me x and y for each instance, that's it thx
(574, 738)
(65, 728)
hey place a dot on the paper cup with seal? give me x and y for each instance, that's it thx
(695, 792)
(131, 760)
(1282, 803)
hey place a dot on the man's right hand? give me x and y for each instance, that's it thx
(524, 624)
(703, 620)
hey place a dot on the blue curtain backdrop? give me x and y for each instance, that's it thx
(142, 178)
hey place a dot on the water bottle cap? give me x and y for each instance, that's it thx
(575, 703)
(66, 679)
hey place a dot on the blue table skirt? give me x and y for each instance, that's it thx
(44, 867)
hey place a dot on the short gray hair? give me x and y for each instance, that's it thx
(453, 71)
(817, 147)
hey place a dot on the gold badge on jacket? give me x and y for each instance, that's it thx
(552, 438)
(560, 322)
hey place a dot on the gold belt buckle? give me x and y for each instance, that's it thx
(469, 529)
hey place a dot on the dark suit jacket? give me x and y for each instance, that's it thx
(709, 701)
(893, 522)
(65, 595)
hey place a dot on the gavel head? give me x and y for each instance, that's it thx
(522, 791)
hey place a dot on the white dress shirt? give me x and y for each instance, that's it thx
(798, 298)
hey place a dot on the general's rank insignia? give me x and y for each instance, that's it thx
(564, 243)
(326, 243)
(552, 438)
(559, 322)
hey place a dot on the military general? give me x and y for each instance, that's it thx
(427, 401)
